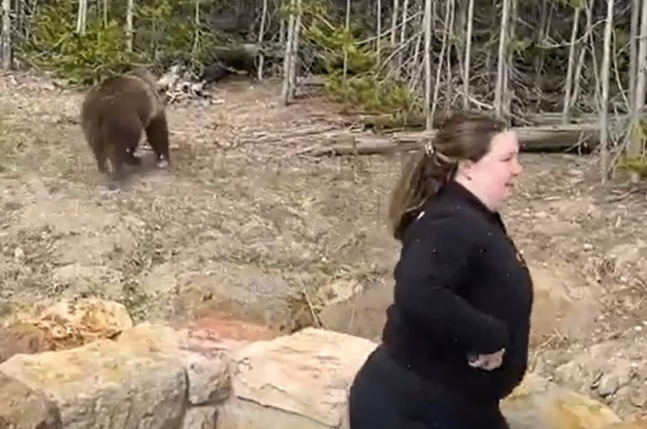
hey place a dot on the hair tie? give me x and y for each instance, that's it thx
(429, 148)
(431, 151)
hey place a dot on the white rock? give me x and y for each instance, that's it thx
(298, 381)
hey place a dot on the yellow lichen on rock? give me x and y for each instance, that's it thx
(539, 403)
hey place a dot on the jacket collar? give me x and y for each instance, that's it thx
(456, 192)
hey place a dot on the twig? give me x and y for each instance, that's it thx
(313, 312)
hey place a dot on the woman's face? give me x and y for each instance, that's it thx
(491, 178)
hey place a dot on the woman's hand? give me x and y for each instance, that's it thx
(486, 362)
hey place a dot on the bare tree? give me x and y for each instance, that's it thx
(633, 52)
(508, 69)
(81, 17)
(641, 67)
(448, 54)
(6, 35)
(347, 28)
(415, 65)
(577, 79)
(196, 37)
(261, 34)
(130, 10)
(295, 49)
(378, 18)
(403, 33)
(446, 30)
(105, 10)
(427, 58)
(568, 87)
(468, 54)
(291, 46)
(394, 21)
(502, 60)
(287, 59)
(604, 99)
(637, 80)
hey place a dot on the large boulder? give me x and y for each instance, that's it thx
(293, 382)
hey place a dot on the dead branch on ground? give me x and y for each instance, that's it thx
(583, 137)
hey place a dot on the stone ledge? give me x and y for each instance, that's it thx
(151, 377)
(147, 377)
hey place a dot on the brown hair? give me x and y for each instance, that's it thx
(463, 136)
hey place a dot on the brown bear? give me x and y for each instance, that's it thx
(114, 113)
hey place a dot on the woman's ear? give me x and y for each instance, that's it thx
(464, 169)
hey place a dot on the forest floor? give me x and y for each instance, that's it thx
(245, 226)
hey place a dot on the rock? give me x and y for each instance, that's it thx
(63, 325)
(135, 382)
(618, 377)
(200, 418)
(89, 319)
(208, 375)
(539, 403)
(206, 354)
(23, 408)
(206, 361)
(297, 381)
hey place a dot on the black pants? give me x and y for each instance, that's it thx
(384, 395)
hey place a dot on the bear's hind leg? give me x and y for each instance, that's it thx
(121, 135)
(158, 139)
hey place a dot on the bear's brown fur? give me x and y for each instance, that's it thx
(114, 113)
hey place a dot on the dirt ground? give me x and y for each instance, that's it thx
(243, 225)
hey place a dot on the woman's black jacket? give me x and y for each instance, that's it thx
(461, 287)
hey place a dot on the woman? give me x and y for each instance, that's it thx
(456, 338)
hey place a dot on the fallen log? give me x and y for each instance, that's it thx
(564, 138)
